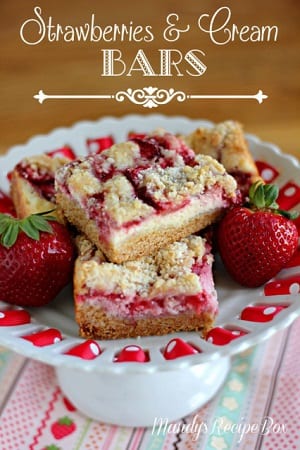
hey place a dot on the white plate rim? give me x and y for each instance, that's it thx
(9, 336)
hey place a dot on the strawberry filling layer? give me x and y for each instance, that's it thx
(41, 181)
(107, 225)
(243, 179)
(137, 305)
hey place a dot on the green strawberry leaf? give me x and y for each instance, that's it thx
(31, 226)
(263, 196)
(271, 192)
(10, 236)
(259, 196)
(41, 224)
(288, 214)
(4, 222)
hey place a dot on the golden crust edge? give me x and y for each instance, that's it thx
(104, 327)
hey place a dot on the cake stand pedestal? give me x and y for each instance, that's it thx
(138, 399)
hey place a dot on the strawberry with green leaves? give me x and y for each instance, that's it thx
(256, 241)
(36, 259)
(63, 427)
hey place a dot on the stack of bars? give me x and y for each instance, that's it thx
(138, 207)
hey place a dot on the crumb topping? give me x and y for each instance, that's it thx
(177, 183)
(133, 180)
(226, 143)
(168, 272)
(121, 201)
(83, 182)
(39, 171)
(43, 163)
(122, 155)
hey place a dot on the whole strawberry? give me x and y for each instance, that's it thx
(256, 242)
(36, 259)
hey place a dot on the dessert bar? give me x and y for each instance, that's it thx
(170, 291)
(136, 197)
(226, 143)
(32, 184)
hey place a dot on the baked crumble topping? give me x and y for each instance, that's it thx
(43, 164)
(130, 181)
(171, 271)
(40, 170)
(226, 143)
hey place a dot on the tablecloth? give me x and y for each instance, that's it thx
(258, 407)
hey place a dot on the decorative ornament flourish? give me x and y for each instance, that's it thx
(151, 97)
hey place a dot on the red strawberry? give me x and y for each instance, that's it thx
(36, 259)
(63, 427)
(255, 243)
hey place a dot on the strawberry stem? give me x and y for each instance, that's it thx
(263, 196)
(10, 227)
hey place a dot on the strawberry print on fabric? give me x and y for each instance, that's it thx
(51, 447)
(63, 427)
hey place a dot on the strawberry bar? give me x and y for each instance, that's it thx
(136, 197)
(32, 184)
(169, 292)
(226, 143)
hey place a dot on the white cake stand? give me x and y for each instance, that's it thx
(131, 393)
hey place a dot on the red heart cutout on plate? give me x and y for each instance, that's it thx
(13, 317)
(45, 337)
(97, 145)
(222, 336)
(86, 350)
(177, 348)
(132, 353)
